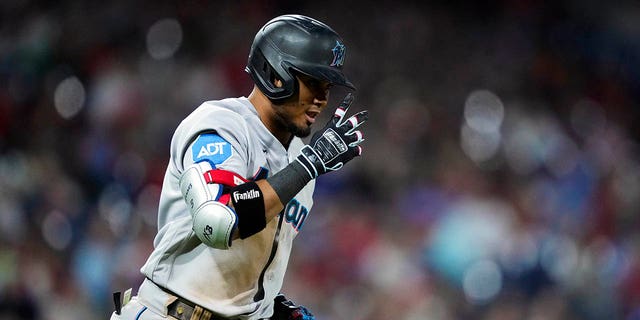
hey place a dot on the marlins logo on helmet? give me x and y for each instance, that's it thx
(338, 54)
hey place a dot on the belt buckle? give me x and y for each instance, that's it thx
(180, 310)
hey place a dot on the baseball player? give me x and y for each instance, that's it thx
(239, 184)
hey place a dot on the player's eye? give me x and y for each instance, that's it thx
(312, 83)
(317, 86)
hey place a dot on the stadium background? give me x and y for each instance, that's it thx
(500, 179)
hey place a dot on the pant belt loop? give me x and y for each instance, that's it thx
(197, 312)
(200, 313)
(206, 314)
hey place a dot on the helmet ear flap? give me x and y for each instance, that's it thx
(265, 75)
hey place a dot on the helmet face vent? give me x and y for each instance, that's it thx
(295, 43)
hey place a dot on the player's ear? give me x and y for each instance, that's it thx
(277, 83)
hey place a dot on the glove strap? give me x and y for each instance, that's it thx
(311, 162)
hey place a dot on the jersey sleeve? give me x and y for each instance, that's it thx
(217, 136)
(220, 153)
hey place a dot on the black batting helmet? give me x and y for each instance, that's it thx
(295, 43)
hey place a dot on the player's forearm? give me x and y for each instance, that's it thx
(273, 205)
(279, 189)
(287, 182)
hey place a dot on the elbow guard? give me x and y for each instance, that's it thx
(213, 221)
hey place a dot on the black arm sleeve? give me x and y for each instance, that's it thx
(289, 181)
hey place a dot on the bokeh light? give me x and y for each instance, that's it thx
(483, 111)
(480, 136)
(479, 145)
(482, 281)
(115, 207)
(164, 38)
(522, 147)
(56, 230)
(559, 257)
(69, 97)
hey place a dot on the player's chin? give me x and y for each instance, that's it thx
(301, 131)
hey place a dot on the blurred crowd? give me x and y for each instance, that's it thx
(500, 177)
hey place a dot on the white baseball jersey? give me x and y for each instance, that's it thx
(243, 280)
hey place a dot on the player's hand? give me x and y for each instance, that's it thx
(335, 144)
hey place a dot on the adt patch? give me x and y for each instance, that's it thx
(212, 148)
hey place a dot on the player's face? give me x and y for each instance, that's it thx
(297, 115)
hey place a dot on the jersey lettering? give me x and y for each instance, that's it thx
(295, 214)
(212, 148)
